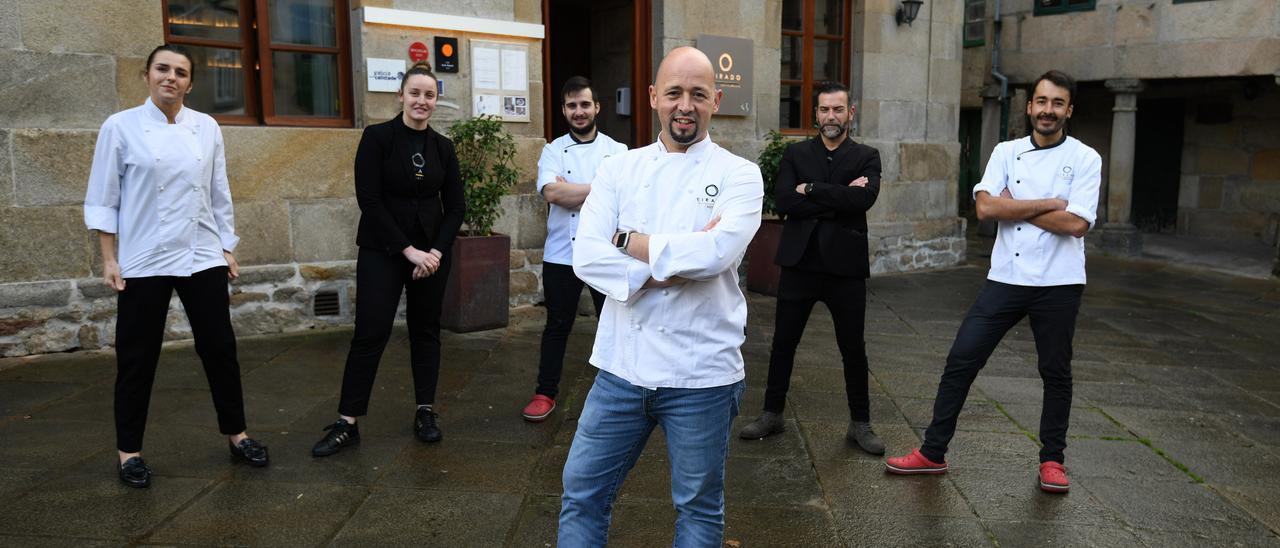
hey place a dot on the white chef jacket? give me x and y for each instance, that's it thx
(688, 335)
(577, 162)
(1024, 254)
(162, 189)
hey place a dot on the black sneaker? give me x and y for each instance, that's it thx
(341, 434)
(424, 425)
(135, 473)
(249, 451)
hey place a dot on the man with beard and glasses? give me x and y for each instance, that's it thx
(662, 234)
(564, 171)
(825, 186)
(1043, 189)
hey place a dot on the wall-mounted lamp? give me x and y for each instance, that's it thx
(907, 11)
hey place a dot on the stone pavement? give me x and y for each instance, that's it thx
(1175, 436)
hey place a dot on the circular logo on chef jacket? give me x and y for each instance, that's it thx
(1066, 170)
(712, 190)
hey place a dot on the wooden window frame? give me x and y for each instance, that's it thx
(806, 81)
(256, 47)
(974, 42)
(1066, 7)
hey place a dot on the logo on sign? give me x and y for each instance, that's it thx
(418, 51)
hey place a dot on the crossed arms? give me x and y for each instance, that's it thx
(1049, 214)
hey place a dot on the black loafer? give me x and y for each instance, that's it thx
(341, 434)
(135, 473)
(424, 426)
(249, 451)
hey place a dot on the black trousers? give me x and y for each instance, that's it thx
(846, 298)
(380, 280)
(560, 289)
(143, 307)
(999, 307)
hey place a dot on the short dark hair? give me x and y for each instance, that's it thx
(1060, 79)
(578, 83)
(829, 87)
(421, 67)
(172, 49)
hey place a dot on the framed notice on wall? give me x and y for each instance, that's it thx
(500, 80)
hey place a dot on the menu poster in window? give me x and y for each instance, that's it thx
(485, 67)
(384, 74)
(500, 80)
(486, 105)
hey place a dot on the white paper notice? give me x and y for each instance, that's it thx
(515, 70)
(487, 104)
(384, 74)
(485, 68)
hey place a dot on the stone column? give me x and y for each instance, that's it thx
(990, 138)
(1118, 234)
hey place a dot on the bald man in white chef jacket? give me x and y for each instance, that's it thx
(661, 235)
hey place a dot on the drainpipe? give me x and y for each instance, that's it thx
(995, 72)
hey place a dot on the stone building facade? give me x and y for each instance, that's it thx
(67, 68)
(1181, 98)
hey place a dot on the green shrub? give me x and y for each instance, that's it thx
(769, 161)
(485, 156)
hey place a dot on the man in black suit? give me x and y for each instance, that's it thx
(824, 187)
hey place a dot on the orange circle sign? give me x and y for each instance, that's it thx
(447, 50)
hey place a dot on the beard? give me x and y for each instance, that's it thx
(683, 138)
(834, 131)
(586, 130)
(1058, 123)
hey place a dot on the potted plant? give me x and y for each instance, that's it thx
(762, 274)
(476, 296)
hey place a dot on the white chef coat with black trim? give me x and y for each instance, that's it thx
(576, 161)
(162, 189)
(1025, 254)
(688, 335)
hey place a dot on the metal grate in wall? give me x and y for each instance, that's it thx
(326, 303)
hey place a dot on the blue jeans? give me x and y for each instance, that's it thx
(615, 423)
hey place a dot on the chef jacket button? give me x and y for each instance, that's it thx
(1017, 254)
(1019, 181)
(570, 171)
(161, 189)
(664, 292)
(1019, 228)
(573, 214)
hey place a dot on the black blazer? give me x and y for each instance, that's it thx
(396, 210)
(835, 211)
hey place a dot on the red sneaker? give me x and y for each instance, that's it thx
(1053, 478)
(539, 407)
(914, 463)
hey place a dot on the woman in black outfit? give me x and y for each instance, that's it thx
(411, 206)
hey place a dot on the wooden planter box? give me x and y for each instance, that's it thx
(477, 296)
(762, 274)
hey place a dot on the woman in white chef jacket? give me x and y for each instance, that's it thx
(158, 188)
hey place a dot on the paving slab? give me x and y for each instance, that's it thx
(1060, 535)
(1174, 506)
(298, 514)
(413, 517)
(98, 507)
(909, 530)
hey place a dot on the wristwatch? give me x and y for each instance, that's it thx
(620, 240)
(808, 189)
